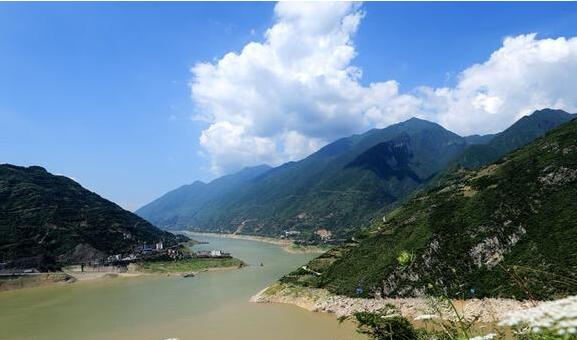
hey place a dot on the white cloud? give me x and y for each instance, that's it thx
(524, 75)
(231, 145)
(284, 97)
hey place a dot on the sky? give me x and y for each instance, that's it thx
(135, 99)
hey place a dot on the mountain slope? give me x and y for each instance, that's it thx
(479, 139)
(178, 207)
(337, 187)
(522, 132)
(508, 229)
(48, 220)
(341, 186)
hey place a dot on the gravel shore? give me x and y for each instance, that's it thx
(487, 310)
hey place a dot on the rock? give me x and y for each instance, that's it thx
(314, 299)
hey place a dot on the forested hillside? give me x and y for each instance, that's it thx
(48, 220)
(507, 229)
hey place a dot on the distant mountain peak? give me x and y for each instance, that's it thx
(548, 111)
(419, 122)
(544, 115)
(20, 168)
(261, 167)
(522, 132)
(417, 119)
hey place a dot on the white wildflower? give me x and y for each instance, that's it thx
(485, 337)
(426, 317)
(559, 315)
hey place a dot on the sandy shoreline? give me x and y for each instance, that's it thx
(488, 310)
(71, 277)
(79, 276)
(85, 276)
(16, 282)
(287, 245)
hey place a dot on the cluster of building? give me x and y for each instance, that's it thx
(290, 234)
(142, 252)
(157, 251)
(154, 251)
(319, 236)
(218, 254)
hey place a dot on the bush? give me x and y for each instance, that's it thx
(385, 324)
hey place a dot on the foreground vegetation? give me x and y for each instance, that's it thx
(386, 325)
(552, 320)
(437, 317)
(188, 265)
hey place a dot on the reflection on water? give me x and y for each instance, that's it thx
(213, 305)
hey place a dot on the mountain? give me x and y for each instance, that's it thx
(178, 207)
(479, 139)
(47, 221)
(337, 187)
(487, 149)
(342, 186)
(508, 229)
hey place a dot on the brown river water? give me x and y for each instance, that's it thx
(212, 305)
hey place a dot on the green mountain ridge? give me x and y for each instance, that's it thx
(334, 188)
(508, 229)
(490, 148)
(342, 186)
(198, 195)
(47, 221)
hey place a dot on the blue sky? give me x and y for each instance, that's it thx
(99, 91)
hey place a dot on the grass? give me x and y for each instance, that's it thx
(291, 290)
(190, 265)
(300, 248)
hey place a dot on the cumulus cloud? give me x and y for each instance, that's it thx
(524, 75)
(284, 97)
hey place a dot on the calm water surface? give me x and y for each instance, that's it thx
(213, 305)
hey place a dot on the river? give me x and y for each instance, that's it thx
(213, 305)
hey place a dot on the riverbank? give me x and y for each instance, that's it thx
(12, 282)
(286, 245)
(71, 274)
(486, 310)
(212, 305)
(188, 266)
